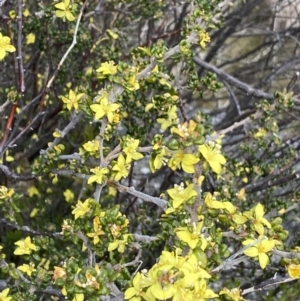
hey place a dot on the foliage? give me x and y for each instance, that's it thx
(111, 189)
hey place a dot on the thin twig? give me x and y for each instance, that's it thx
(74, 42)
(91, 254)
(237, 83)
(145, 197)
(75, 119)
(265, 284)
(2, 107)
(26, 229)
(9, 174)
(232, 260)
(21, 85)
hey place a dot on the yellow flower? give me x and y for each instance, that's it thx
(260, 133)
(260, 250)
(78, 297)
(69, 195)
(131, 150)
(234, 294)
(132, 84)
(163, 291)
(185, 130)
(238, 218)
(91, 280)
(159, 160)
(64, 11)
(59, 273)
(203, 39)
(73, 99)
(99, 175)
(91, 146)
(121, 168)
(107, 68)
(213, 158)
(259, 221)
(5, 46)
(112, 34)
(30, 38)
(192, 238)
(5, 192)
(186, 161)
(212, 203)
(255, 215)
(28, 269)
(3, 295)
(120, 244)
(24, 246)
(134, 292)
(97, 230)
(202, 292)
(294, 270)
(181, 195)
(241, 195)
(81, 208)
(171, 118)
(105, 108)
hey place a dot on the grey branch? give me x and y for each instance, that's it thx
(233, 260)
(14, 176)
(235, 82)
(28, 230)
(144, 238)
(143, 196)
(265, 284)
(75, 119)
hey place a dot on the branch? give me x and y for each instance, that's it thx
(74, 156)
(91, 254)
(145, 197)
(237, 124)
(2, 107)
(9, 174)
(265, 284)
(266, 180)
(233, 81)
(32, 123)
(67, 172)
(232, 94)
(74, 42)
(290, 255)
(33, 288)
(75, 119)
(8, 127)
(237, 83)
(118, 90)
(144, 238)
(21, 85)
(26, 229)
(232, 260)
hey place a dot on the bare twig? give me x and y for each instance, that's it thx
(74, 42)
(284, 254)
(145, 197)
(8, 127)
(232, 260)
(14, 176)
(91, 254)
(74, 120)
(26, 229)
(237, 83)
(265, 284)
(144, 238)
(21, 85)
(2, 107)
